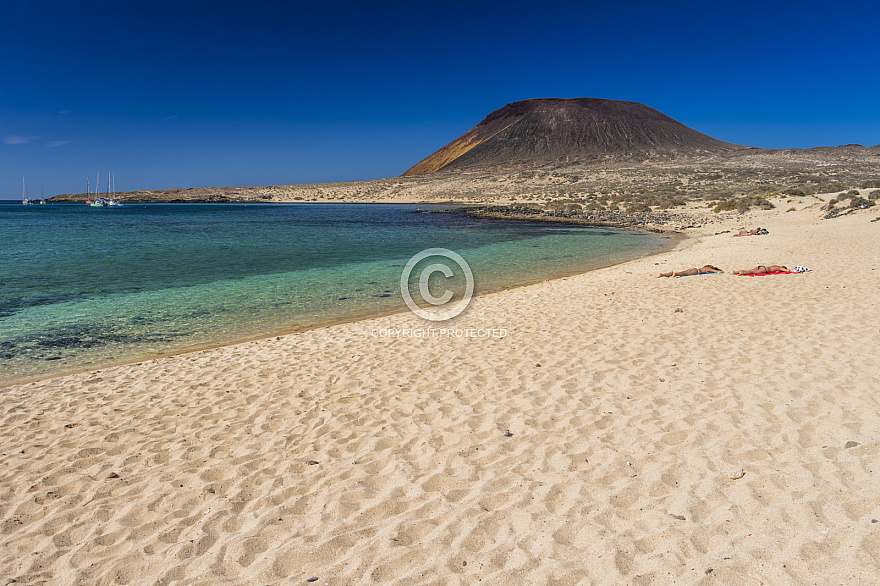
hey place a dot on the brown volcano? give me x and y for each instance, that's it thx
(543, 131)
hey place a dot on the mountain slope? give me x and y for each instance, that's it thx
(553, 130)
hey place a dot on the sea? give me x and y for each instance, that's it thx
(84, 287)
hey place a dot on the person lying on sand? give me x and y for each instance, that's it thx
(763, 270)
(755, 232)
(704, 270)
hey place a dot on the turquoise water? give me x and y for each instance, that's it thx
(88, 286)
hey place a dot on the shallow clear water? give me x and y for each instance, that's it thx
(86, 286)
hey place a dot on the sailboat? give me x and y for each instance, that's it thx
(101, 202)
(24, 197)
(111, 191)
(98, 202)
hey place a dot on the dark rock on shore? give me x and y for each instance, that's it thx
(605, 218)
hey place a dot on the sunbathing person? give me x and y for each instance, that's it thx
(704, 270)
(763, 270)
(755, 232)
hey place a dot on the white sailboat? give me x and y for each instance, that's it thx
(97, 202)
(24, 197)
(100, 202)
(111, 191)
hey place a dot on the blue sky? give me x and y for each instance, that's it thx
(206, 93)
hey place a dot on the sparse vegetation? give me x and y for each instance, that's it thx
(844, 196)
(860, 202)
(832, 187)
(856, 202)
(639, 207)
(726, 206)
(749, 201)
(605, 186)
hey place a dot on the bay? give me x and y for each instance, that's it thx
(83, 287)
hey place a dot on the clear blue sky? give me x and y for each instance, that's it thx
(205, 93)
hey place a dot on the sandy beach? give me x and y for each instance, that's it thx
(628, 429)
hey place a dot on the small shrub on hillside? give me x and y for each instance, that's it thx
(874, 195)
(831, 187)
(745, 203)
(665, 204)
(639, 207)
(794, 191)
(807, 189)
(715, 192)
(871, 183)
(861, 202)
(726, 206)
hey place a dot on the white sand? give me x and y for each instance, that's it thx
(633, 404)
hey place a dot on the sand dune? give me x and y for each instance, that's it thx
(628, 429)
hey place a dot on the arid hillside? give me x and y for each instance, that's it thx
(601, 155)
(536, 132)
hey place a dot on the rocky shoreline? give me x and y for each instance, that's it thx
(654, 221)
